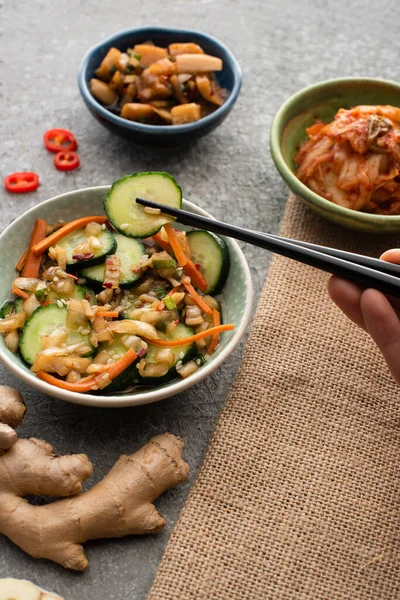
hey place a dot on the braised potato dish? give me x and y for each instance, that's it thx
(159, 86)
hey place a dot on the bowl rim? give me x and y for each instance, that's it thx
(156, 394)
(159, 129)
(300, 188)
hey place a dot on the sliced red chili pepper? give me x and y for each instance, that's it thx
(85, 256)
(21, 182)
(66, 161)
(58, 140)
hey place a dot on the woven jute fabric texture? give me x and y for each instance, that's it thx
(299, 493)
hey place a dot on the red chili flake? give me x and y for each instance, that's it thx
(176, 322)
(108, 285)
(197, 265)
(72, 276)
(141, 352)
(83, 256)
(87, 296)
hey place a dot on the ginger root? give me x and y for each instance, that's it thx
(20, 589)
(12, 411)
(121, 504)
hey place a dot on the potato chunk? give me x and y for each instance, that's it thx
(117, 81)
(208, 90)
(185, 113)
(108, 65)
(163, 67)
(197, 63)
(188, 48)
(149, 54)
(134, 111)
(102, 92)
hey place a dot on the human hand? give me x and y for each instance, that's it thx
(378, 314)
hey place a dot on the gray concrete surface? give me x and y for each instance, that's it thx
(282, 46)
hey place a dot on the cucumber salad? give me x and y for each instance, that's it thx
(108, 303)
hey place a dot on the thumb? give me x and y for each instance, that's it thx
(383, 325)
(392, 256)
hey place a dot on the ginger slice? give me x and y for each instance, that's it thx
(20, 589)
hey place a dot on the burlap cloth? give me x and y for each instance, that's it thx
(299, 493)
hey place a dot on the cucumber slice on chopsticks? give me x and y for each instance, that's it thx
(131, 219)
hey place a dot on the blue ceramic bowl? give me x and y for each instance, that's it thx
(229, 78)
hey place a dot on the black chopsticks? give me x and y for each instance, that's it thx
(363, 270)
(359, 259)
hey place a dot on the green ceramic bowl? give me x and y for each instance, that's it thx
(236, 298)
(323, 100)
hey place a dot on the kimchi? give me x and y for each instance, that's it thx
(354, 161)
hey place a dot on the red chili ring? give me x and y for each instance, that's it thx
(66, 161)
(60, 140)
(19, 183)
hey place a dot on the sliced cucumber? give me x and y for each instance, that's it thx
(18, 305)
(42, 322)
(181, 353)
(81, 292)
(128, 217)
(125, 379)
(73, 240)
(212, 254)
(130, 252)
(11, 307)
(7, 309)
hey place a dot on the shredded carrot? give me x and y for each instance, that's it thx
(40, 247)
(122, 363)
(192, 338)
(21, 262)
(175, 244)
(89, 383)
(216, 319)
(189, 267)
(198, 300)
(164, 245)
(111, 314)
(84, 385)
(161, 304)
(196, 277)
(32, 262)
(20, 293)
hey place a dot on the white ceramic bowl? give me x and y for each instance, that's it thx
(236, 298)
